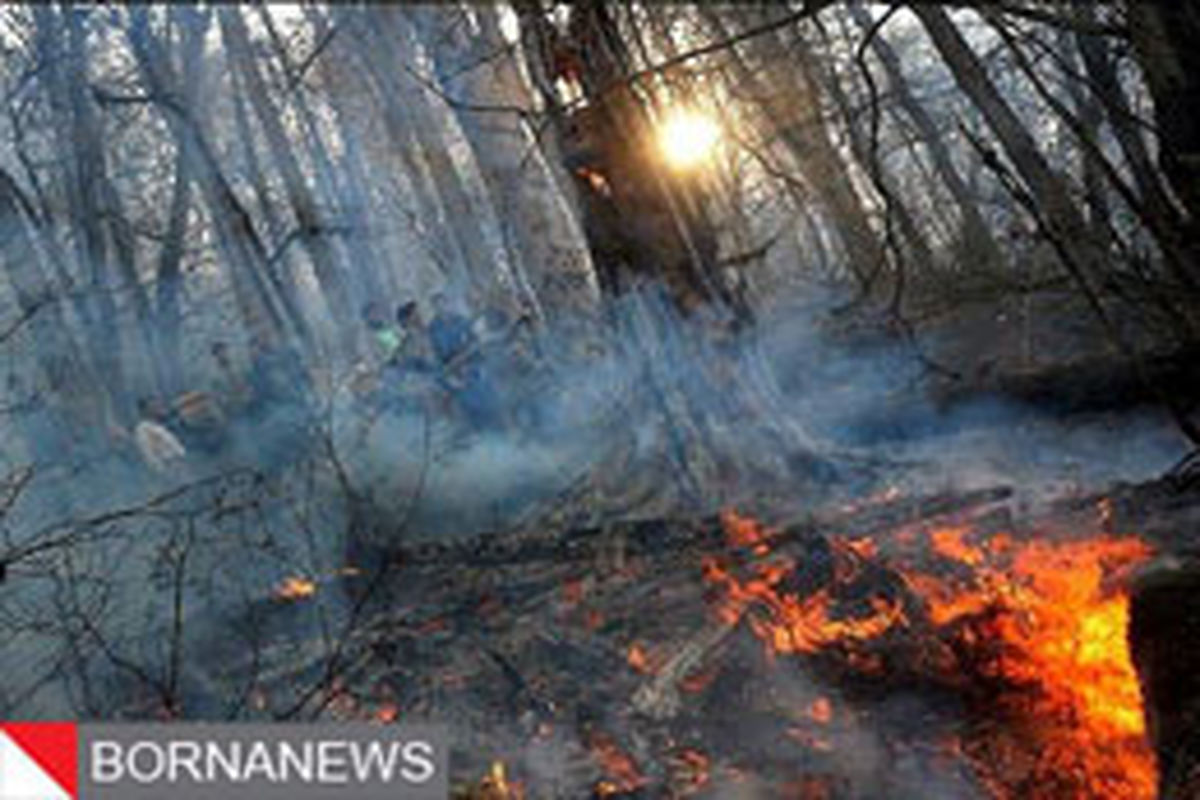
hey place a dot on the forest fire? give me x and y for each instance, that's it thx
(1031, 632)
(387, 364)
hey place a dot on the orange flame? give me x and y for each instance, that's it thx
(950, 543)
(691, 771)
(638, 659)
(821, 710)
(743, 531)
(794, 624)
(1068, 632)
(497, 786)
(1037, 615)
(295, 588)
(623, 773)
(387, 713)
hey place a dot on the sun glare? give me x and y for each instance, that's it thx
(687, 139)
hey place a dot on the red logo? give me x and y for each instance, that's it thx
(38, 761)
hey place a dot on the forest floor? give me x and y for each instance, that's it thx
(838, 652)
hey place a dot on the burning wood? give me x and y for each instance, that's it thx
(624, 775)
(1164, 621)
(1036, 620)
(493, 786)
(295, 588)
(774, 650)
(659, 698)
(690, 771)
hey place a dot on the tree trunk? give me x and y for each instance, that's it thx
(541, 239)
(312, 230)
(344, 191)
(977, 236)
(281, 270)
(80, 145)
(791, 105)
(819, 75)
(1064, 225)
(1164, 621)
(1129, 131)
(237, 241)
(70, 396)
(420, 138)
(1164, 35)
(192, 25)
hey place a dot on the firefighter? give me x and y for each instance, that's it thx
(201, 421)
(450, 333)
(385, 338)
(408, 371)
(483, 372)
(463, 373)
(412, 351)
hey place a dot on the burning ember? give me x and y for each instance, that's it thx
(690, 771)
(496, 785)
(293, 588)
(623, 773)
(638, 659)
(1031, 633)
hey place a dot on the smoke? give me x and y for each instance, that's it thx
(692, 416)
(643, 412)
(879, 395)
(640, 411)
(644, 397)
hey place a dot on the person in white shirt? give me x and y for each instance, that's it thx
(158, 447)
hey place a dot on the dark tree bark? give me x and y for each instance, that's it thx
(640, 219)
(192, 25)
(1164, 621)
(1164, 35)
(1101, 70)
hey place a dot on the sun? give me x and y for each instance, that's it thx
(688, 139)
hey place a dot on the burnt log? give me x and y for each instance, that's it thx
(1164, 628)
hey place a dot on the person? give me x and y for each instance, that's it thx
(480, 368)
(202, 422)
(159, 448)
(450, 332)
(510, 358)
(462, 373)
(412, 349)
(408, 372)
(284, 408)
(385, 338)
